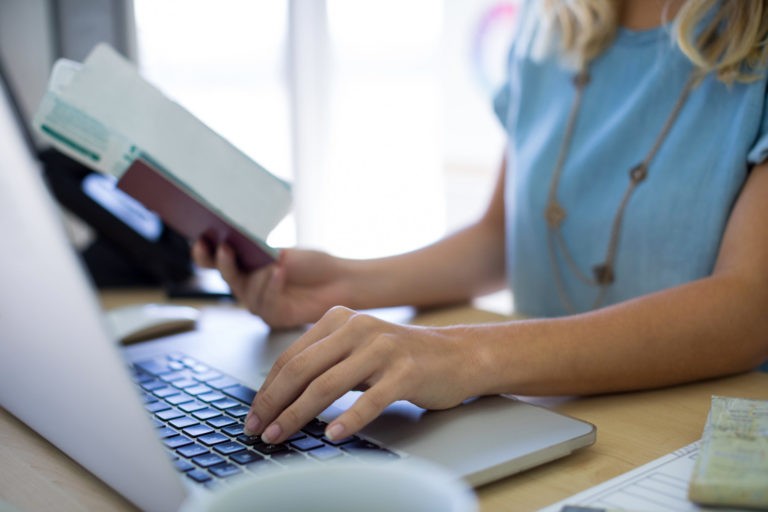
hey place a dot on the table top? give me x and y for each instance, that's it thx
(632, 429)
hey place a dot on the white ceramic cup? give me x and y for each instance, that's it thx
(408, 485)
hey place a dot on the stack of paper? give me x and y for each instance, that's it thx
(732, 468)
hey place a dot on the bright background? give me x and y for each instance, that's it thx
(378, 112)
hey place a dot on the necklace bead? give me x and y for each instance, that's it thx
(555, 214)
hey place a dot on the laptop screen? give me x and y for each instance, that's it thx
(59, 371)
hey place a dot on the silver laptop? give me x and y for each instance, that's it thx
(64, 376)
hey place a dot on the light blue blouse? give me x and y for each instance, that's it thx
(674, 221)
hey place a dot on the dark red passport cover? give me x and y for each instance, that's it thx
(180, 210)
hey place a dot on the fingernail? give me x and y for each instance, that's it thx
(335, 431)
(271, 434)
(252, 424)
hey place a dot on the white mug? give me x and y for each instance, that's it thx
(407, 485)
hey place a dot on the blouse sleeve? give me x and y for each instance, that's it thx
(524, 28)
(758, 153)
(501, 103)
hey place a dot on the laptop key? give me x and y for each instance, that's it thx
(210, 396)
(198, 389)
(238, 412)
(225, 470)
(152, 385)
(240, 392)
(269, 449)
(315, 428)
(148, 399)
(339, 442)
(221, 382)
(169, 414)
(182, 422)
(157, 366)
(296, 436)
(248, 440)
(182, 465)
(157, 406)
(174, 376)
(307, 443)
(246, 457)
(222, 421)
(184, 383)
(363, 447)
(226, 403)
(164, 432)
(326, 453)
(176, 442)
(206, 414)
(199, 368)
(199, 475)
(188, 361)
(228, 448)
(206, 376)
(207, 460)
(142, 378)
(165, 391)
(197, 430)
(212, 439)
(191, 450)
(179, 398)
(192, 406)
(233, 430)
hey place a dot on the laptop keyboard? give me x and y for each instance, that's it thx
(199, 414)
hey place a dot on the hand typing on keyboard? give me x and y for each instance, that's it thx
(198, 412)
(348, 350)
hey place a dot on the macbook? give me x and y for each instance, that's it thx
(161, 419)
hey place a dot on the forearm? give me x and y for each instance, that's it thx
(453, 269)
(707, 328)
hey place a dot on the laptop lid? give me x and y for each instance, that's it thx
(59, 371)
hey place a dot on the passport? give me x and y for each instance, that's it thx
(190, 214)
(106, 115)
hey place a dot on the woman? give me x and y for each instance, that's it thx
(627, 219)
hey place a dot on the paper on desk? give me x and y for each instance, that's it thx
(105, 114)
(658, 486)
(732, 468)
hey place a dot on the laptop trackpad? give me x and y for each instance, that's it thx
(479, 439)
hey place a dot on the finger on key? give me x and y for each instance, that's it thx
(318, 395)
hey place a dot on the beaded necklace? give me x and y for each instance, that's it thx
(603, 274)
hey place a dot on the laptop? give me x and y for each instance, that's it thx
(106, 406)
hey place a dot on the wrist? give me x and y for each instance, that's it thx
(361, 288)
(505, 357)
(477, 367)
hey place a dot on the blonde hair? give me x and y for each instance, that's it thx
(732, 42)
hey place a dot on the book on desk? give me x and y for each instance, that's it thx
(104, 114)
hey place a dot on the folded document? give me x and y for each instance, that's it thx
(732, 468)
(104, 114)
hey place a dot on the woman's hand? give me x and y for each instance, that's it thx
(435, 368)
(299, 288)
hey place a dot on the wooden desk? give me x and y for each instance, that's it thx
(633, 428)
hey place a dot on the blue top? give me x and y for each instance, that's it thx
(675, 219)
